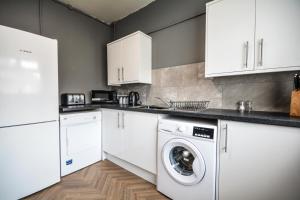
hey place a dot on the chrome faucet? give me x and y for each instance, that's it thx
(165, 102)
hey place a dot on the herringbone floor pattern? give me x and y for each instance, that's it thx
(101, 181)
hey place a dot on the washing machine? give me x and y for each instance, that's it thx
(186, 165)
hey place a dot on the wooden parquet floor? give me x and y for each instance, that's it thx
(101, 181)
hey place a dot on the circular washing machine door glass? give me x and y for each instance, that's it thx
(183, 161)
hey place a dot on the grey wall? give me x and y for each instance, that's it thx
(158, 15)
(81, 40)
(176, 40)
(180, 44)
(20, 14)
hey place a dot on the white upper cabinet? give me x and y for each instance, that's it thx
(252, 36)
(129, 59)
(230, 36)
(114, 58)
(277, 34)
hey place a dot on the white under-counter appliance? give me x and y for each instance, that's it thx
(186, 159)
(80, 140)
(29, 129)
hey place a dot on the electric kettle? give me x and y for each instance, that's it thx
(134, 98)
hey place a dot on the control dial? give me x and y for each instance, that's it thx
(181, 129)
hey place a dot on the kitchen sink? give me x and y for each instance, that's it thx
(153, 107)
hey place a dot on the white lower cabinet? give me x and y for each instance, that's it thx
(141, 139)
(131, 136)
(113, 133)
(260, 162)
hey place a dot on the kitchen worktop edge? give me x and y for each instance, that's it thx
(260, 117)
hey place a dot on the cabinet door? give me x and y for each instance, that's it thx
(28, 72)
(141, 139)
(131, 58)
(230, 36)
(258, 162)
(277, 33)
(113, 139)
(114, 63)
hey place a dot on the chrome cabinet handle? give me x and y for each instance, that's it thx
(123, 116)
(118, 120)
(246, 54)
(118, 74)
(123, 73)
(226, 138)
(261, 43)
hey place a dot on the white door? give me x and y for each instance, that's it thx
(141, 139)
(28, 78)
(113, 134)
(277, 33)
(183, 161)
(131, 58)
(230, 36)
(114, 63)
(82, 137)
(259, 162)
(29, 157)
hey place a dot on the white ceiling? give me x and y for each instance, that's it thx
(107, 11)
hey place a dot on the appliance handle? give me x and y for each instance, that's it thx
(118, 74)
(261, 52)
(118, 120)
(165, 131)
(67, 142)
(71, 122)
(225, 128)
(123, 119)
(246, 54)
(196, 167)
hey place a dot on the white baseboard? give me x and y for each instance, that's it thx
(132, 168)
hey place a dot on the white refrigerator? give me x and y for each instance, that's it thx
(29, 129)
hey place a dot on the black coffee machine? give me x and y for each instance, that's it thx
(133, 98)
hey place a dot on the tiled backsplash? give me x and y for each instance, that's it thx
(269, 92)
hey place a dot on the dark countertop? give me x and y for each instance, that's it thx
(270, 118)
(78, 108)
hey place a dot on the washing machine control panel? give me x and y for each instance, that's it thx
(207, 133)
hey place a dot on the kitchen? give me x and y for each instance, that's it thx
(162, 99)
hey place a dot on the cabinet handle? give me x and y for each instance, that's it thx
(118, 120)
(261, 44)
(123, 120)
(123, 73)
(118, 74)
(246, 54)
(226, 138)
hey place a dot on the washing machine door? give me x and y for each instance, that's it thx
(183, 161)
